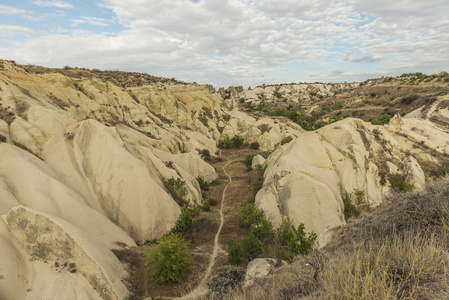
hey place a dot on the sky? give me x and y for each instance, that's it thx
(231, 42)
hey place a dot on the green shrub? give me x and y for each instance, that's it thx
(350, 210)
(249, 162)
(255, 145)
(212, 202)
(383, 119)
(205, 153)
(169, 260)
(214, 182)
(242, 100)
(235, 253)
(227, 143)
(185, 222)
(177, 189)
(253, 219)
(298, 241)
(237, 141)
(206, 206)
(399, 184)
(286, 140)
(227, 278)
(250, 215)
(409, 99)
(245, 251)
(204, 185)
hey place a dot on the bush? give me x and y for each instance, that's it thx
(250, 216)
(249, 162)
(399, 184)
(185, 222)
(409, 99)
(204, 185)
(227, 143)
(206, 206)
(286, 140)
(205, 153)
(255, 145)
(227, 278)
(383, 119)
(237, 141)
(245, 251)
(2, 139)
(298, 241)
(350, 210)
(169, 260)
(177, 189)
(212, 202)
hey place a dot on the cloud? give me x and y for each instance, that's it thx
(251, 42)
(58, 4)
(90, 20)
(15, 30)
(365, 59)
(7, 10)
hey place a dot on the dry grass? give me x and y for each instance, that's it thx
(398, 252)
(402, 267)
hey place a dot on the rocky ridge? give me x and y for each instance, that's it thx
(85, 155)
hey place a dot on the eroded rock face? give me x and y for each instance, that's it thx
(59, 243)
(85, 155)
(306, 179)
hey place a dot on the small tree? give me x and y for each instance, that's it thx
(177, 189)
(169, 260)
(185, 222)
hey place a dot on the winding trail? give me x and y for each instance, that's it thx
(201, 289)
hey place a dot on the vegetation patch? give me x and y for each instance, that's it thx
(169, 260)
(382, 120)
(227, 143)
(177, 189)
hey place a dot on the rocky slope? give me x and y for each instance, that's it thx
(83, 166)
(306, 179)
(85, 157)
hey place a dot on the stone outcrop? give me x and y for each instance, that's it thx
(259, 268)
(88, 157)
(258, 161)
(306, 178)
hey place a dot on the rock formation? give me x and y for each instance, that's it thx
(85, 157)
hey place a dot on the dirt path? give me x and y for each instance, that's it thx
(201, 289)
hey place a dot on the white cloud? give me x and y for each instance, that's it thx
(49, 3)
(90, 20)
(15, 30)
(7, 10)
(250, 42)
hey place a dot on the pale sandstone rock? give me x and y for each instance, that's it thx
(306, 178)
(51, 239)
(258, 268)
(258, 161)
(414, 173)
(35, 185)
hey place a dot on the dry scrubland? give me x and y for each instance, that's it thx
(397, 252)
